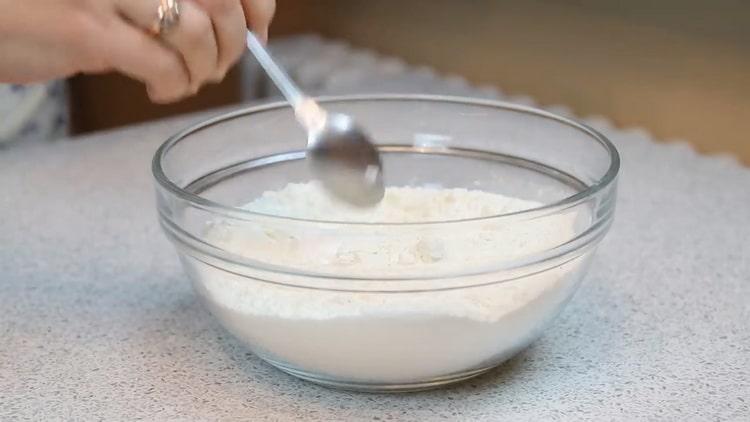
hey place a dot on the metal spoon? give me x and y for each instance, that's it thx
(339, 153)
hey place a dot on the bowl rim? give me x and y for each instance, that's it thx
(237, 212)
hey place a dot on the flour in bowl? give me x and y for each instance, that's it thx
(399, 205)
(389, 303)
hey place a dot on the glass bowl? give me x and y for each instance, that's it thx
(366, 317)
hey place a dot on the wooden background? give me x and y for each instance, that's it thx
(681, 69)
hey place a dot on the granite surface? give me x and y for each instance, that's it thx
(98, 322)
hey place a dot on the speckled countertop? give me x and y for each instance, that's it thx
(99, 323)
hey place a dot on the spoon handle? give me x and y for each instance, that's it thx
(285, 84)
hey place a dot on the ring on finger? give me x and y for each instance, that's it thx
(168, 16)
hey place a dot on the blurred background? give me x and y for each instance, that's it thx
(678, 68)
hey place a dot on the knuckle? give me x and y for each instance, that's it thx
(226, 63)
(169, 78)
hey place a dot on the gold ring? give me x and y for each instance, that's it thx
(168, 16)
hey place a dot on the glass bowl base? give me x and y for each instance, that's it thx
(345, 385)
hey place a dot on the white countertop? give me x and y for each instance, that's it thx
(99, 323)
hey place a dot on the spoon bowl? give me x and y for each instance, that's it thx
(339, 153)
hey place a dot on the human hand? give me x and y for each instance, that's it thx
(48, 39)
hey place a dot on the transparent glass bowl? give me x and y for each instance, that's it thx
(389, 327)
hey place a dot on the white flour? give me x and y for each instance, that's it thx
(372, 336)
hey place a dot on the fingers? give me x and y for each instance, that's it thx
(136, 54)
(201, 48)
(192, 37)
(229, 26)
(259, 14)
